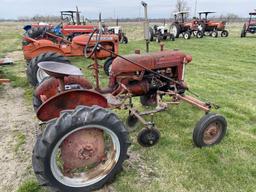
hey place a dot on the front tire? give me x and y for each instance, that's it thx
(214, 34)
(210, 130)
(199, 34)
(75, 132)
(34, 74)
(107, 65)
(125, 40)
(187, 35)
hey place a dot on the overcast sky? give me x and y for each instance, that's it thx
(11, 9)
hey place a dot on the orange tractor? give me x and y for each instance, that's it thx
(85, 143)
(46, 50)
(210, 27)
(181, 26)
(70, 26)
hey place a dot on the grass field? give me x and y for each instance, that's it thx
(224, 71)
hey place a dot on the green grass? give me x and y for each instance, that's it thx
(223, 71)
(20, 139)
(30, 186)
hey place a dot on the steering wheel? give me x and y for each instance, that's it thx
(90, 50)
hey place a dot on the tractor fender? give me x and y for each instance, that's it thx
(50, 86)
(69, 100)
(44, 49)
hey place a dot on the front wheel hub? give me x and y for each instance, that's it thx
(212, 133)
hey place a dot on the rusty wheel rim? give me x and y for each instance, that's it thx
(212, 133)
(86, 176)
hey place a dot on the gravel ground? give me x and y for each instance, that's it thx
(17, 134)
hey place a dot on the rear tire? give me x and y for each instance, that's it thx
(224, 33)
(36, 102)
(151, 34)
(199, 34)
(46, 163)
(175, 29)
(107, 65)
(36, 75)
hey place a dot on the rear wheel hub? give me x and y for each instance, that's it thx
(82, 148)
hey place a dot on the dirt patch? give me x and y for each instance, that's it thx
(17, 134)
(15, 56)
(18, 126)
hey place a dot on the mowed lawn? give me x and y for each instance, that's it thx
(223, 71)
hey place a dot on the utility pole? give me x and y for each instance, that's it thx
(195, 8)
(146, 25)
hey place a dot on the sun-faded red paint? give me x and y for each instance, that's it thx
(153, 61)
(50, 87)
(69, 100)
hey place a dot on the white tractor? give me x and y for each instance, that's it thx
(160, 33)
(117, 30)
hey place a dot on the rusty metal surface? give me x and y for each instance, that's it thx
(136, 89)
(152, 61)
(191, 100)
(57, 69)
(69, 100)
(50, 86)
(83, 148)
(76, 48)
(212, 133)
(4, 81)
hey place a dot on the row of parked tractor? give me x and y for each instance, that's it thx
(46, 42)
(84, 143)
(69, 38)
(197, 27)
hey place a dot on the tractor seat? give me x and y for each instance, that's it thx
(59, 70)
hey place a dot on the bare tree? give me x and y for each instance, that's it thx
(181, 5)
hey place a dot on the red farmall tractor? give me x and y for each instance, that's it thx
(211, 27)
(186, 28)
(47, 50)
(84, 143)
(249, 26)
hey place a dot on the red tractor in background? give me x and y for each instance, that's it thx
(46, 50)
(70, 26)
(84, 143)
(210, 27)
(249, 26)
(186, 28)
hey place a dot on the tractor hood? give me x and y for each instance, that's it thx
(153, 61)
(83, 39)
